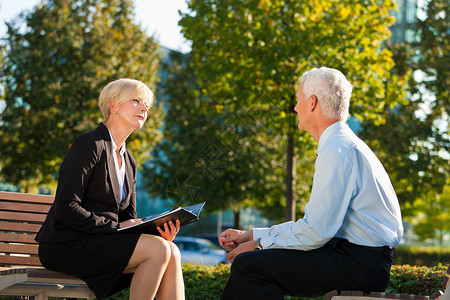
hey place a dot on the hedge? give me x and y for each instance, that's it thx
(207, 283)
(421, 256)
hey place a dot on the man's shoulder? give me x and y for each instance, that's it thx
(341, 141)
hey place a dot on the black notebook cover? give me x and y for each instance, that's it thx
(186, 215)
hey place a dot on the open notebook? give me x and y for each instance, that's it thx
(186, 215)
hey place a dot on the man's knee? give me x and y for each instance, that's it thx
(242, 264)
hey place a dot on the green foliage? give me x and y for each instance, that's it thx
(414, 143)
(212, 279)
(433, 217)
(421, 256)
(241, 51)
(210, 153)
(432, 51)
(248, 57)
(415, 280)
(53, 73)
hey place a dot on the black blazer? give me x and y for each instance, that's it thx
(87, 198)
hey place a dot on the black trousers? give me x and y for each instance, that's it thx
(338, 265)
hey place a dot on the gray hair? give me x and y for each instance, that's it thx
(332, 89)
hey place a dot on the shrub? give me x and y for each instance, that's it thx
(421, 256)
(415, 280)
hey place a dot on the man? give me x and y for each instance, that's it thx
(352, 222)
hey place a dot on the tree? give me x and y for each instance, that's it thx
(432, 53)
(53, 74)
(248, 56)
(209, 153)
(413, 143)
(433, 217)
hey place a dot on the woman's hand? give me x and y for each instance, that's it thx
(170, 230)
(129, 222)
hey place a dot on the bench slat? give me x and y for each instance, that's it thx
(18, 238)
(24, 217)
(31, 198)
(50, 289)
(19, 261)
(19, 227)
(20, 249)
(41, 274)
(24, 207)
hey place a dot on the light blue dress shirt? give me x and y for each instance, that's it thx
(352, 197)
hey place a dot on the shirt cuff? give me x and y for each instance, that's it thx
(263, 234)
(260, 232)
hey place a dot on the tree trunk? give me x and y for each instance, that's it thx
(290, 181)
(237, 219)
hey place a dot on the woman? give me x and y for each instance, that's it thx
(96, 195)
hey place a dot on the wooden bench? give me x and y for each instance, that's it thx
(21, 272)
(359, 295)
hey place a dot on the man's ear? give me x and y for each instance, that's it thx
(314, 102)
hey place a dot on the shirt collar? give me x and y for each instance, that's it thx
(114, 145)
(329, 132)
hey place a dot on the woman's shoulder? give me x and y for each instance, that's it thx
(91, 140)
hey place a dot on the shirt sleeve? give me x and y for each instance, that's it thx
(334, 185)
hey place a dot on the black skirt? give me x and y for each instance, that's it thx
(99, 260)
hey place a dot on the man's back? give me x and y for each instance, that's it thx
(359, 180)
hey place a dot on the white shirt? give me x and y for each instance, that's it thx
(120, 171)
(352, 197)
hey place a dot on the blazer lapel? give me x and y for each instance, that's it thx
(112, 173)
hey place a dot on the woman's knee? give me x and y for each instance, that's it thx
(174, 252)
(155, 247)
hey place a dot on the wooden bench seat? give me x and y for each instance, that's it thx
(21, 272)
(359, 295)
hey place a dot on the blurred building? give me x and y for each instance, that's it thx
(405, 17)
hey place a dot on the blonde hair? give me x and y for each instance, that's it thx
(122, 90)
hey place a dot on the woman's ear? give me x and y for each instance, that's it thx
(113, 107)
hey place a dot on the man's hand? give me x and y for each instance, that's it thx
(232, 238)
(244, 247)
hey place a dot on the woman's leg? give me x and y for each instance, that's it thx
(149, 263)
(172, 285)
